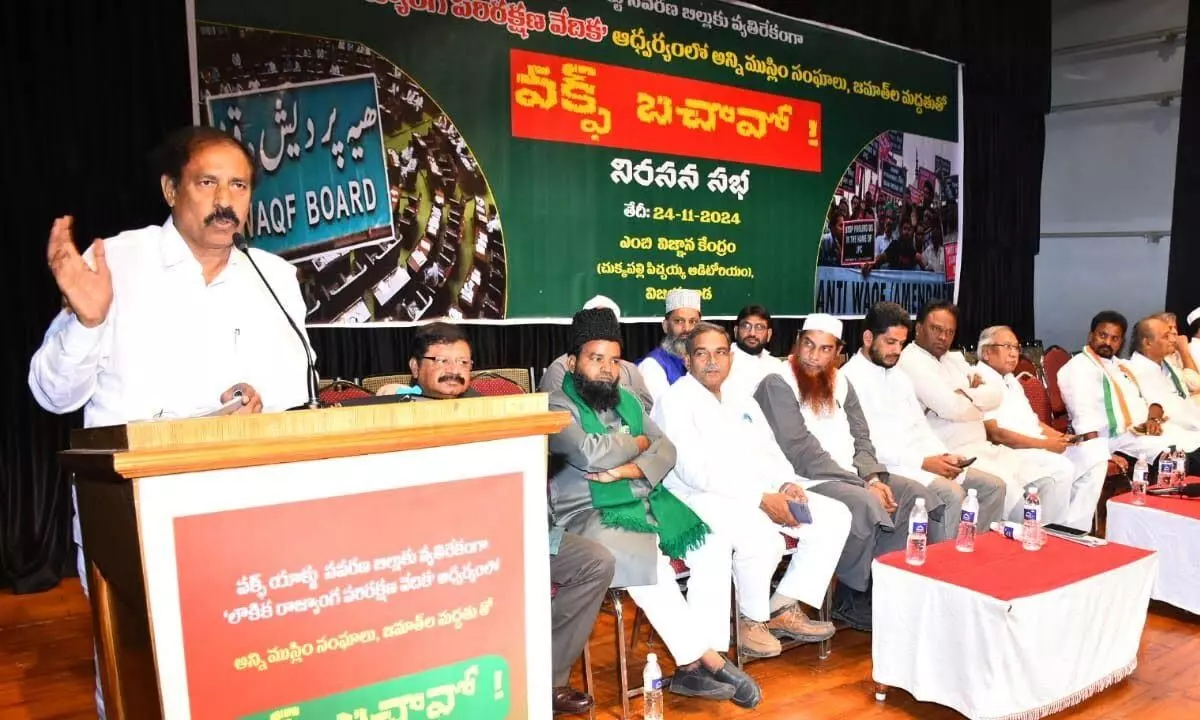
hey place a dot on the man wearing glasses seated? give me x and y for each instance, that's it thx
(581, 569)
(440, 365)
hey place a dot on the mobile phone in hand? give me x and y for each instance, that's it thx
(800, 512)
(966, 463)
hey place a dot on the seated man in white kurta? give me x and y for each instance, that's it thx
(902, 439)
(1160, 381)
(1104, 396)
(751, 358)
(663, 365)
(731, 472)
(606, 485)
(818, 423)
(1015, 424)
(956, 397)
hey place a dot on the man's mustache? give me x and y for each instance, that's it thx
(452, 378)
(221, 213)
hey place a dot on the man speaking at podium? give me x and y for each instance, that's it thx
(168, 320)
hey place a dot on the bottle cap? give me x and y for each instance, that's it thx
(1031, 489)
(971, 492)
(651, 658)
(920, 502)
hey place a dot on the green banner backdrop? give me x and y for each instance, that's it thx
(518, 158)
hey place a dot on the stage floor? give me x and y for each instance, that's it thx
(46, 672)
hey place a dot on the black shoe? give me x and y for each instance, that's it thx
(747, 693)
(852, 607)
(698, 682)
(569, 701)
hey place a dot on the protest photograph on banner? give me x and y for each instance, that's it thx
(525, 157)
(892, 228)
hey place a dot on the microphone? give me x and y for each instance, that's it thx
(239, 241)
(1191, 490)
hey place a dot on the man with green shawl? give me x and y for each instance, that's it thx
(606, 485)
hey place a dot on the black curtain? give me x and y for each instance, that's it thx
(1183, 292)
(92, 87)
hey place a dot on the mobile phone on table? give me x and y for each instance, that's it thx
(1073, 534)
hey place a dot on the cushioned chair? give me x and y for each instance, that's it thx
(372, 383)
(341, 390)
(492, 382)
(521, 377)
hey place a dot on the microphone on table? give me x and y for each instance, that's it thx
(1188, 491)
(239, 241)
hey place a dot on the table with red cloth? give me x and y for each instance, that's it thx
(1171, 527)
(1004, 632)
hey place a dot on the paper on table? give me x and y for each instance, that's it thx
(228, 408)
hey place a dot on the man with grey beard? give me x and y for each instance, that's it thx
(664, 364)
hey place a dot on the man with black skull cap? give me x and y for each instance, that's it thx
(609, 488)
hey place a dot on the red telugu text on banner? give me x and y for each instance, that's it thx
(568, 100)
(366, 555)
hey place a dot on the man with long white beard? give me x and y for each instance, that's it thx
(732, 474)
(663, 365)
(818, 423)
(955, 398)
(1014, 424)
(902, 438)
(1105, 399)
(606, 485)
(751, 359)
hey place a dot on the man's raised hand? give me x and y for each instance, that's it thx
(87, 290)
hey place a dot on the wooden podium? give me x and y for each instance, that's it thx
(361, 562)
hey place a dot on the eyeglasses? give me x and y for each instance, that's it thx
(754, 327)
(447, 362)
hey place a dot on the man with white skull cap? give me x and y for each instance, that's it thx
(630, 378)
(664, 364)
(817, 420)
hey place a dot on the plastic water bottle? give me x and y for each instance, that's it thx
(1031, 527)
(1180, 467)
(652, 689)
(1140, 480)
(965, 542)
(918, 534)
(1166, 468)
(1010, 530)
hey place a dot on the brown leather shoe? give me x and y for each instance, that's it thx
(569, 701)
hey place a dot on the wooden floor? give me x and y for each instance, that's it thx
(46, 672)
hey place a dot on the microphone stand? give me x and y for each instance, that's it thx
(313, 403)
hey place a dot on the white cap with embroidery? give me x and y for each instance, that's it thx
(824, 323)
(683, 298)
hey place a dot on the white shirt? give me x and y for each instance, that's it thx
(1157, 387)
(1081, 382)
(747, 371)
(943, 387)
(170, 344)
(831, 428)
(722, 446)
(1194, 349)
(1014, 412)
(655, 378)
(899, 431)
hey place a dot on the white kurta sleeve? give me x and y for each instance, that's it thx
(1082, 390)
(63, 371)
(934, 392)
(654, 377)
(704, 463)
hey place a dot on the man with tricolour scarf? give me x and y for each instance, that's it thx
(606, 485)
